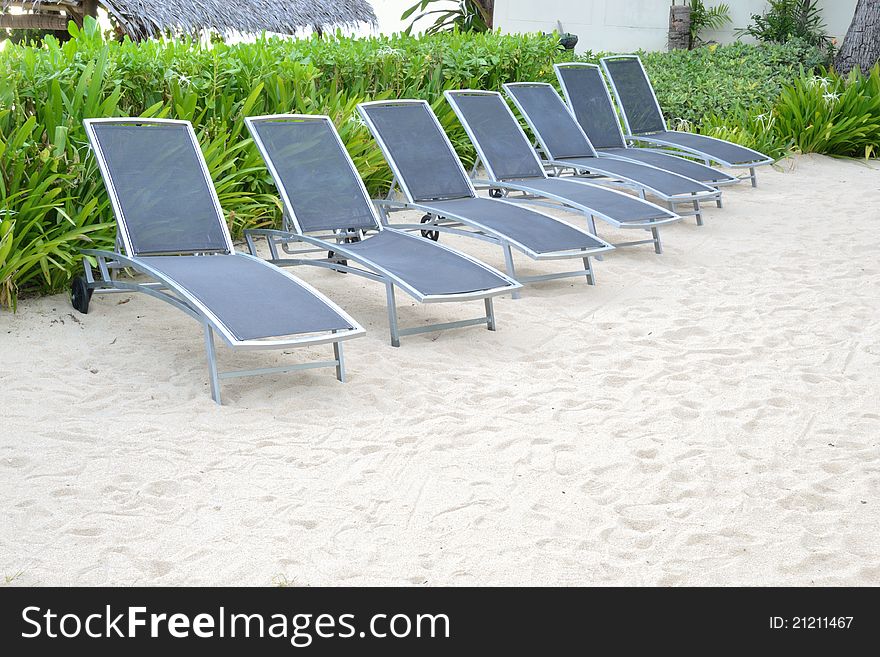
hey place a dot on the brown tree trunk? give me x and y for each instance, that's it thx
(861, 47)
(679, 37)
(486, 9)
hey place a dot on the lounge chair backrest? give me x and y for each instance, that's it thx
(419, 152)
(633, 90)
(500, 141)
(589, 101)
(557, 131)
(313, 172)
(159, 186)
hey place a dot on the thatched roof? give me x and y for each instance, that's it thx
(146, 18)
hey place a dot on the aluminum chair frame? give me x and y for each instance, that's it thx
(625, 143)
(293, 232)
(705, 157)
(466, 225)
(529, 193)
(164, 288)
(559, 167)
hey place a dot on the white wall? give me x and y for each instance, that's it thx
(627, 25)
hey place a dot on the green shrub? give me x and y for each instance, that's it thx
(703, 18)
(52, 201)
(815, 114)
(790, 19)
(693, 85)
(833, 115)
(43, 221)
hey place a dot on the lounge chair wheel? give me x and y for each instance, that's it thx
(80, 294)
(432, 235)
(494, 193)
(342, 261)
(332, 254)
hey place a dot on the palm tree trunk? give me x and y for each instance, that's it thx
(861, 46)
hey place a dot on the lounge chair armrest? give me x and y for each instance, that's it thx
(280, 235)
(273, 238)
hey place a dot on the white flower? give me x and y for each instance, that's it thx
(388, 51)
(830, 97)
(183, 80)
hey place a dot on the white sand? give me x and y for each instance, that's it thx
(709, 416)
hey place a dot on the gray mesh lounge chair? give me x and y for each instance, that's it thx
(565, 147)
(590, 101)
(171, 230)
(327, 209)
(644, 122)
(430, 176)
(512, 165)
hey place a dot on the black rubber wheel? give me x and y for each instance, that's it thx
(432, 235)
(495, 193)
(343, 261)
(80, 294)
(331, 254)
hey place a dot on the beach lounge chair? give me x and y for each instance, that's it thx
(512, 165)
(431, 178)
(326, 208)
(566, 147)
(644, 122)
(171, 230)
(590, 101)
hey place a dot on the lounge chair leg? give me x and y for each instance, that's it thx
(392, 315)
(252, 248)
(340, 362)
(490, 314)
(698, 213)
(718, 202)
(511, 270)
(212, 364)
(591, 278)
(753, 176)
(591, 222)
(658, 247)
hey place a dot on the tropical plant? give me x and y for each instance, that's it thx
(817, 113)
(464, 15)
(830, 114)
(42, 221)
(706, 18)
(751, 128)
(695, 84)
(787, 19)
(24, 36)
(52, 200)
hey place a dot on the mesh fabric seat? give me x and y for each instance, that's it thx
(512, 165)
(323, 193)
(539, 234)
(590, 102)
(565, 145)
(431, 178)
(173, 232)
(644, 121)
